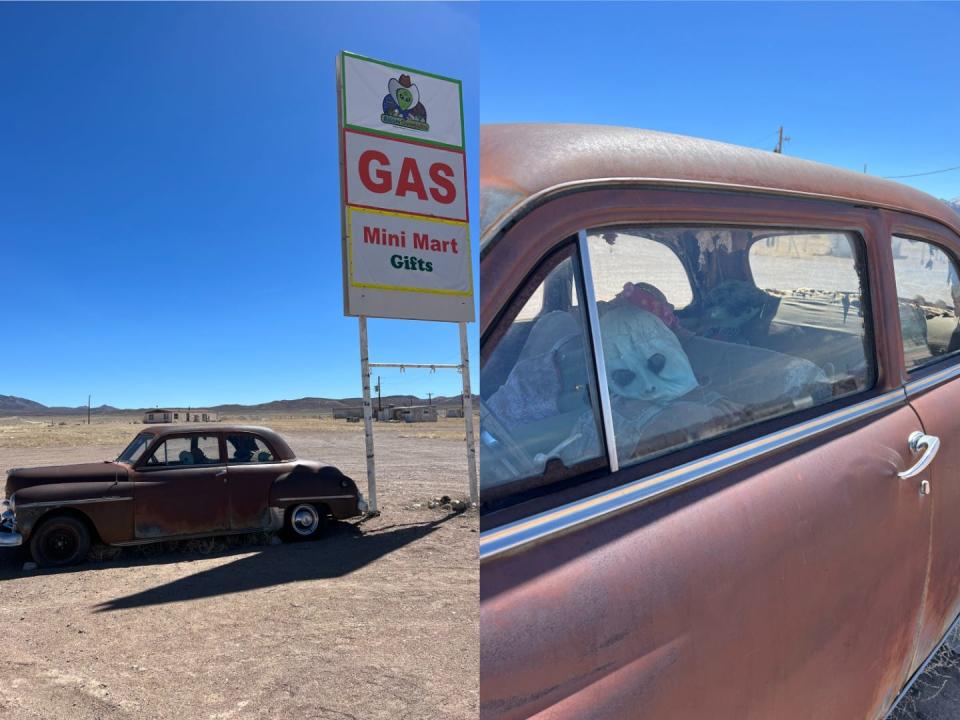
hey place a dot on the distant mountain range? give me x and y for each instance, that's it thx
(13, 405)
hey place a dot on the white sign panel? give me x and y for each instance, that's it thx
(403, 176)
(403, 102)
(391, 251)
(406, 245)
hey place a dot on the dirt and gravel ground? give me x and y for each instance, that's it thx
(378, 620)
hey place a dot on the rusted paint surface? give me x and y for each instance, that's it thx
(180, 501)
(248, 492)
(788, 589)
(519, 161)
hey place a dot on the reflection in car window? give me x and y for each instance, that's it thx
(539, 413)
(245, 448)
(182, 451)
(135, 449)
(928, 288)
(612, 269)
(778, 325)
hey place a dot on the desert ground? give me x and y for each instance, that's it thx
(378, 619)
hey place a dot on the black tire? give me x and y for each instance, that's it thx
(60, 541)
(304, 521)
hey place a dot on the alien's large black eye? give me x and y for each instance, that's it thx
(656, 363)
(623, 377)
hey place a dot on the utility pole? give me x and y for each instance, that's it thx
(379, 399)
(429, 398)
(780, 140)
(88, 409)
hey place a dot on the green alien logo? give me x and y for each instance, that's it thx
(402, 106)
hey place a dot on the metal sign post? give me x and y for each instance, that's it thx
(368, 419)
(468, 415)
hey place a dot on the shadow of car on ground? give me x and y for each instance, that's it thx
(345, 548)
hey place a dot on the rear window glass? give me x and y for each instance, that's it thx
(246, 448)
(927, 289)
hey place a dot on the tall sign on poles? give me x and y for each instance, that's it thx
(406, 237)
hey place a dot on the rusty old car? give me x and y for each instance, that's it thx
(720, 445)
(174, 482)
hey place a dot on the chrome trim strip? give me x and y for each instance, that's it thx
(599, 363)
(316, 497)
(567, 517)
(11, 539)
(59, 503)
(917, 386)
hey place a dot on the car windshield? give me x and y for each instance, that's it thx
(135, 449)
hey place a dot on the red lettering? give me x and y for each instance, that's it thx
(385, 180)
(410, 180)
(441, 173)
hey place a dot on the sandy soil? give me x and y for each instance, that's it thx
(377, 620)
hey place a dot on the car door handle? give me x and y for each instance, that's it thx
(223, 474)
(918, 441)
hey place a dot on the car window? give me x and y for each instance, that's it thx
(539, 417)
(135, 449)
(927, 289)
(779, 325)
(246, 448)
(190, 450)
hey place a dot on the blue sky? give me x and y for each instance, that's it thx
(169, 202)
(852, 83)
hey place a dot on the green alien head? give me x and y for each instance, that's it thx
(404, 98)
(404, 92)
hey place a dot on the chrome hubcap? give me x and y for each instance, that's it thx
(304, 519)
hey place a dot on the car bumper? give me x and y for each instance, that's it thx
(9, 537)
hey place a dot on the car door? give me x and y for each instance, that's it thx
(252, 466)
(925, 267)
(637, 562)
(180, 487)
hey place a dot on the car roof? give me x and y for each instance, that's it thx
(280, 445)
(524, 162)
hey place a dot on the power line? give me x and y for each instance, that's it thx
(932, 172)
(764, 138)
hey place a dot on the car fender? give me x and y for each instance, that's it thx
(108, 505)
(318, 485)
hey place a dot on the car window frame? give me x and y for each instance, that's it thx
(142, 466)
(661, 206)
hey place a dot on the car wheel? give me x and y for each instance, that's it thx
(305, 522)
(60, 541)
